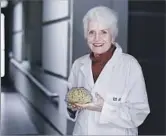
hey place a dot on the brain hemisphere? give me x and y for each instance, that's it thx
(79, 95)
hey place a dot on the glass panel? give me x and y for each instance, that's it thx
(55, 48)
(17, 17)
(55, 9)
(2, 32)
(17, 46)
(2, 46)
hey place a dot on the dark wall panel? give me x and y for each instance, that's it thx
(146, 37)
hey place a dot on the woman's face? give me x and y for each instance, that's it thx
(99, 37)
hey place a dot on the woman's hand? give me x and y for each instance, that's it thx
(74, 107)
(95, 106)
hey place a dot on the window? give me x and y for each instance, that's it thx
(2, 45)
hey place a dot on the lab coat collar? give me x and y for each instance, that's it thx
(86, 66)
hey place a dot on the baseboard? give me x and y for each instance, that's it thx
(42, 124)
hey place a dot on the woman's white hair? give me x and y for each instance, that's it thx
(103, 15)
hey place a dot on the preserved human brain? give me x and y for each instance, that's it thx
(78, 95)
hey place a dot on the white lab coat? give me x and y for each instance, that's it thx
(121, 84)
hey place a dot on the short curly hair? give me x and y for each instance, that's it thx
(103, 15)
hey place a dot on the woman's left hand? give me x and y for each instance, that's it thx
(95, 106)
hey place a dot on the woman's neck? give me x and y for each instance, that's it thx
(104, 56)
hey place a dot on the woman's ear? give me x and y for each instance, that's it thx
(113, 41)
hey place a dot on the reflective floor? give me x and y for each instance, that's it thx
(14, 118)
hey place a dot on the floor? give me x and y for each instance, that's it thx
(14, 118)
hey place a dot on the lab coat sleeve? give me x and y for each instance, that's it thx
(72, 82)
(131, 111)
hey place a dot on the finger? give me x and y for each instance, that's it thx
(76, 107)
(97, 95)
(79, 108)
(73, 106)
(99, 98)
(81, 105)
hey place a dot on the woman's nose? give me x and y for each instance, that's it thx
(97, 37)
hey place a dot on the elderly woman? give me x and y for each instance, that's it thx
(114, 78)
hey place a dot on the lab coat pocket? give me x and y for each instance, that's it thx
(111, 100)
(120, 105)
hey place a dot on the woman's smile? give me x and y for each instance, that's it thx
(98, 44)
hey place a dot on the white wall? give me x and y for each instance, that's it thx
(55, 115)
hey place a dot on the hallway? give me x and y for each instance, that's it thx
(14, 118)
(42, 39)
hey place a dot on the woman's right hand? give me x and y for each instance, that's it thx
(74, 107)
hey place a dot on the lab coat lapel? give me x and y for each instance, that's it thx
(106, 76)
(86, 69)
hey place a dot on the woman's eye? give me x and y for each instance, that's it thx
(91, 32)
(104, 32)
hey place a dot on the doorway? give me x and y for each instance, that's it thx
(146, 43)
